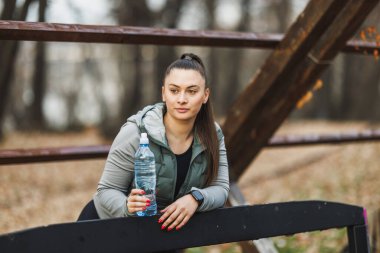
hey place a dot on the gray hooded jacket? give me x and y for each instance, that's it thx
(118, 175)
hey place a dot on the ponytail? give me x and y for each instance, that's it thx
(204, 122)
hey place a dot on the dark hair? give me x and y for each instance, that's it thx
(204, 122)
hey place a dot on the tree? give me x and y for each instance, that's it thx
(131, 13)
(130, 60)
(39, 78)
(8, 54)
(166, 54)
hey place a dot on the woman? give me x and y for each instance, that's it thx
(191, 161)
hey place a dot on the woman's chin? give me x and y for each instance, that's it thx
(183, 116)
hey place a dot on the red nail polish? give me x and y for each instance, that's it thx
(148, 201)
(160, 221)
(163, 227)
(147, 204)
(170, 229)
(144, 208)
(177, 229)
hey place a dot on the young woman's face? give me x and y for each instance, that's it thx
(184, 92)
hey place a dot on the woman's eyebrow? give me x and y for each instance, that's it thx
(188, 87)
(193, 86)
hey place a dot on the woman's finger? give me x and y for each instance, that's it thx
(137, 192)
(164, 210)
(137, 198)
(138, 208)
(183, 223)
(177, 221)
(132, 208)
(136, 203)
(165, 217)
(173, 216)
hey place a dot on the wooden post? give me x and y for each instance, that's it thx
(358, 239)
(307, 49)
(375, 234)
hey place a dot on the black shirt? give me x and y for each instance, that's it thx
(183, 164)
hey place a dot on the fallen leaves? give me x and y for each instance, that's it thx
(309, 95)
(370, 34)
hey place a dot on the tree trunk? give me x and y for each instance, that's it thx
(213, 66)
(9, 7)
(166, 54)
(283, 11)
(132, 13)
(8, 55)
(234, 58)
(39, 78)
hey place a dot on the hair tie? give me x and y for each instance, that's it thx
(187, 57)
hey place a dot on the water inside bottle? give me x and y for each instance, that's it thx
(145, 179)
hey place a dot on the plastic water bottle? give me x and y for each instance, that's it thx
(145, 174)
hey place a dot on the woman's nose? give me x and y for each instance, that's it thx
(182, 98)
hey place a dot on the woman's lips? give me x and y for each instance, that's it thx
(181, 110)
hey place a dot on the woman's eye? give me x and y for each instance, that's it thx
(174, 91)
(192, 92)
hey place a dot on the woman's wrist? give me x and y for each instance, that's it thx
(192, 199)
(197, 196)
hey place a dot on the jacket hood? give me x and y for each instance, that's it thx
(150, 119)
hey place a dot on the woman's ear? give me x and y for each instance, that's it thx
(207, 94)
(163, 93)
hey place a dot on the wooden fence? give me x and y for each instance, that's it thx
(320, 32)
(143, 234)
(38, 155)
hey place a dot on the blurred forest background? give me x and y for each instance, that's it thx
(64, 94)
(68, 86)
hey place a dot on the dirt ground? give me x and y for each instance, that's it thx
(46, 193)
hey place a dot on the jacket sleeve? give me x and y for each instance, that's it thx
(116, 180)
(216, 194)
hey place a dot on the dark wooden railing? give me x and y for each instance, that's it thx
(143, 234)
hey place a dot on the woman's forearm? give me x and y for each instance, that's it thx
(110, 203)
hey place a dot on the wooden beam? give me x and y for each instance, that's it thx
(143, 234)
(38, 155)
(37, 31)
(329, 138)
(307, 49)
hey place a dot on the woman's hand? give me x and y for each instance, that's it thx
(178, 213)
(135, 202)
